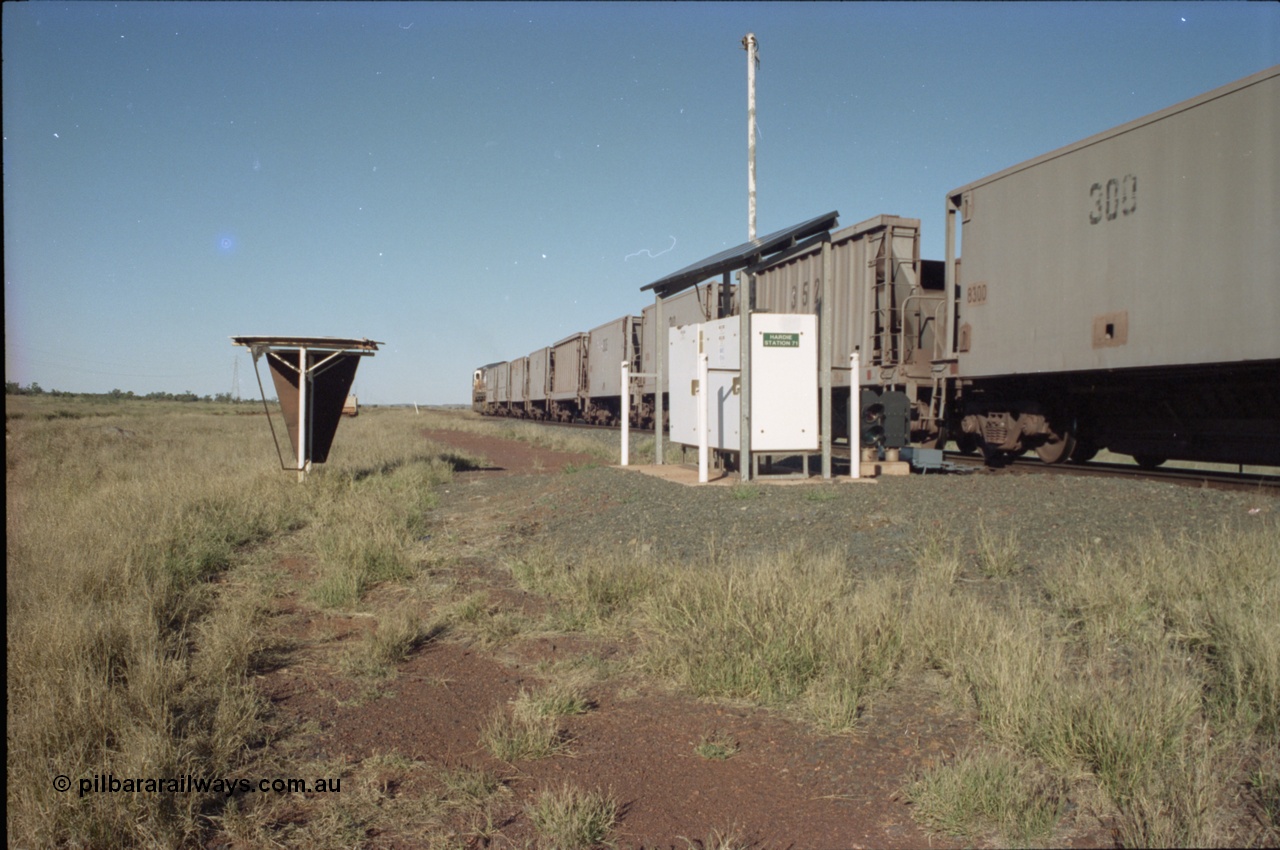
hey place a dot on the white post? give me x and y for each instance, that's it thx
(626, 413)
(750, 44)
(302, 414)
(855, 417)
(703, 395)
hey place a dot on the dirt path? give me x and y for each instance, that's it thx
(785, 787)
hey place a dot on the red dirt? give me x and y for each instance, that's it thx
(786, 787)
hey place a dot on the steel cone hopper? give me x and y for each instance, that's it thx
(312, 377)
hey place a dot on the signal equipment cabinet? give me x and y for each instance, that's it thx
(784, 383)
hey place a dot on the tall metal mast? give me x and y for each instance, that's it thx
(753, 60)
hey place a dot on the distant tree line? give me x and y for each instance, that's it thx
(14, 388)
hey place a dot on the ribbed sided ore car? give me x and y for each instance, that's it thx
(888, 305)
(607, 346)
(1122, 292)
(499, 377)
(518, 388)
(536, 407)
(567, 378)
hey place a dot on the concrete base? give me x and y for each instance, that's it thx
(688, 476)
(896, 467)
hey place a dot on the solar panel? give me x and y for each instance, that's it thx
(741, 256)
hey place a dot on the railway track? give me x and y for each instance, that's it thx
(1176, 475)
(1219, 479)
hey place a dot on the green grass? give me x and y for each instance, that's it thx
(821, 494)
(716, 747)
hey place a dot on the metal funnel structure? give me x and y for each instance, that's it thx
(312, 377)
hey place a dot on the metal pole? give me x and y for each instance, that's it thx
(660, 344)
(626, 413)
(752, 60)
(952, 299)
(855, 418)
(825, 331)
(744, 375)
(302, 414)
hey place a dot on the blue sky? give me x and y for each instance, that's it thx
(468, 182)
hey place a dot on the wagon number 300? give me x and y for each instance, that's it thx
(1115, 198)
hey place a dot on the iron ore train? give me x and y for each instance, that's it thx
(1122, 292)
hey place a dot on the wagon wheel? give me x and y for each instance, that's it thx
(1149, 461)
(1084, 451)
(1058, 447)
(967, 444)
(937, 440)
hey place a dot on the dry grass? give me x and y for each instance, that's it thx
(990, 795)
(1151, 674)
(136, 590)
(568, 818)
(133, 614)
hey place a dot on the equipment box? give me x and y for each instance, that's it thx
(784, 382)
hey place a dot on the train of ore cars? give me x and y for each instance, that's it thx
(1122, 292)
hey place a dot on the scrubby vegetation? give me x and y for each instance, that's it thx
(1152, 675)
(1139, 682)
(133, 614)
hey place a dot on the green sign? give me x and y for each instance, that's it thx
(781, 340)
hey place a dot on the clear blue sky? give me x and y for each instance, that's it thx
(470, 182)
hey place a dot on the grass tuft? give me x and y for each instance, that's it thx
(516, 736)
(989, 792)
(999, 556)
(569, 818)
(554, 700)
(716, 747)
(780, 630)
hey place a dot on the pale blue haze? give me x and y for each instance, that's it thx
(468, 182)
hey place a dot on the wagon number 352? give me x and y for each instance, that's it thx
(1115, 198)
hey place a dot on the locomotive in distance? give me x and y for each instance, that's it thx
(1121, 292)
